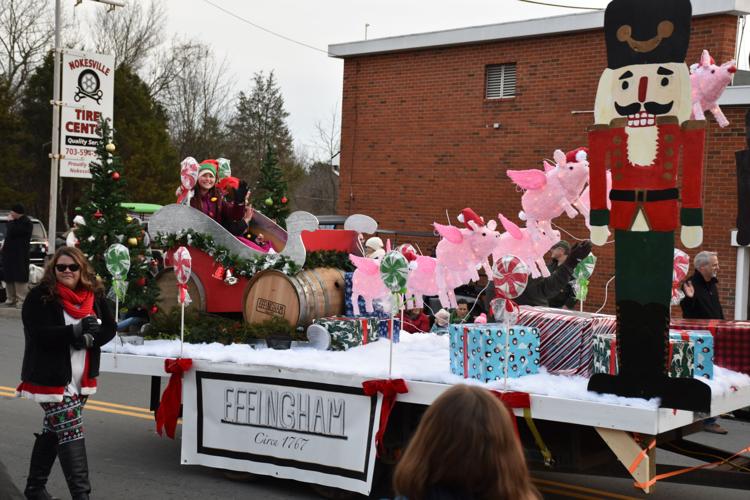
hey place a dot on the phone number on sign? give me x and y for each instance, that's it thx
(80, 152)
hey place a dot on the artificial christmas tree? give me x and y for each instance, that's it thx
(107, 222)
(270, 194)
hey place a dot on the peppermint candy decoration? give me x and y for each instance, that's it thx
(581, 275)
(188, 177)
(394, 270)
(680, 268)
(183, 265)
(510, 276)
(225, 170)
(117, 260)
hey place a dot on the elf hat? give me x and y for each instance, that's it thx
(468, 215)
(210, 165)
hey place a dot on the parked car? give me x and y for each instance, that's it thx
(39, 244)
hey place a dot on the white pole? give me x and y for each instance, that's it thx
(117, 320)
(507, 348)
(55, 153)
(182, 327)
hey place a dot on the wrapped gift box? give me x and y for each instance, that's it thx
(566, 337)
(681, 355)
(482, 348)
(703, 347)
(465, 350)
(605, 353)
(349, 332)
(385, 330)
(731, 340)
(378, 312)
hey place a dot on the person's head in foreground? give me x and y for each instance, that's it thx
(464, 447)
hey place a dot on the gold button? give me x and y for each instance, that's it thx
(618, 176)
(618, 164)
(668, 165)
(617, 139)
(669, 138)
(616, 152)
(667, 176)
(670, 152)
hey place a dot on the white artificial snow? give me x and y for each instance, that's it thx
(419, 357)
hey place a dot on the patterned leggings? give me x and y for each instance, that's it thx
(64, 418)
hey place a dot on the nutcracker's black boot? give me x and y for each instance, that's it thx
(42, 458)
(75, 466)
(643, 344)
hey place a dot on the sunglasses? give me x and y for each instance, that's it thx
(61, 268)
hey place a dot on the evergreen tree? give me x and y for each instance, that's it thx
(271, 190)
(107, 222)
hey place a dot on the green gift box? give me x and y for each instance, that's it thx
(681, 358)
(349, 332)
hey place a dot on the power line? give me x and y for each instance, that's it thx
(258, 26)
(548, 4)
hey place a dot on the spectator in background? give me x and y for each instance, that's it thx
(416, 321)
(442, 320)
(701, 301)
(374, 248)
(566, 298)
(15, 255)
(464, 448)
(539, 291)
(461, 312)
(71, 239)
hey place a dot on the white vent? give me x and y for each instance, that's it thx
(500, 81)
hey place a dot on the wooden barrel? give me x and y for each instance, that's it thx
(310, 294)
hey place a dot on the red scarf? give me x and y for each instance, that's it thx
(77, 303)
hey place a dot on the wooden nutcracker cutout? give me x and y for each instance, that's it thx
(642, 134)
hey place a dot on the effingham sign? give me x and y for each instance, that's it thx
(295, 429)
(88, 84)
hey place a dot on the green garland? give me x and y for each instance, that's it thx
(248, 267)
(241, 267)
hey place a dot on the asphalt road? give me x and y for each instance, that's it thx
(128, 460)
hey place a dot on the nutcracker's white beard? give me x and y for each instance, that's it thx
(642, 145)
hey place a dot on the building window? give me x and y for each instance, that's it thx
(500, 81)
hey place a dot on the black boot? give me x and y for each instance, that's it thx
(75, 467)
(42, 458)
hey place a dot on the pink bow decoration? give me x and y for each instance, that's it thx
(182, 269)
(188, 177)
(679, 273)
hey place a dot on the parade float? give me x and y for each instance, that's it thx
(586, 387)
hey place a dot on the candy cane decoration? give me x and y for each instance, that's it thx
(182, 269)
(679, 273)
(188, 177)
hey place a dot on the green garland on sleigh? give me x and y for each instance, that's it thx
(248, 267)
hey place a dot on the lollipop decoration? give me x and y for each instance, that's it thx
(394, 271)
(188, 178)
(679, 273)
(510, 276)
(581, 275)
(117, 261)
(182, 268)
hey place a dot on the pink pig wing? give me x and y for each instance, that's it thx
(366, 265)
(528, 179)
(450, 233)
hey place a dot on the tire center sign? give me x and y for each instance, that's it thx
(88, 82)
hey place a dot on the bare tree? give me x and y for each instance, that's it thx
(132, 34)
(26, 33)
(197, 99)
(328, 142)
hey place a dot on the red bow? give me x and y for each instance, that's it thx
(169, 407)
(513, 400)
(389, 388)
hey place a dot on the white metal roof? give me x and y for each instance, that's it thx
(518, 29)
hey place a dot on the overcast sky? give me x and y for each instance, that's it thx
(311, 81)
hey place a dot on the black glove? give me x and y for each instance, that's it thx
(85, 325)
(85, 341)
(240, 192)
(579, 251)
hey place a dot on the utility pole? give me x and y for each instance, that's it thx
(367, 25)
(56, 105)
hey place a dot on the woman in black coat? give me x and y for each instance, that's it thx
(66, 320)
(15, 255)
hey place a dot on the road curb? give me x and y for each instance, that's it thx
(6, 312)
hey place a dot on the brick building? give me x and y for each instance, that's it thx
(431, 122)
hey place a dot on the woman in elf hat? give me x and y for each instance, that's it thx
(65, 320)
(207, 198)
